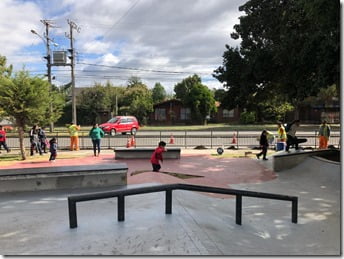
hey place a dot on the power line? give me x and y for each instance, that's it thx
(141, 69)
(122, 17)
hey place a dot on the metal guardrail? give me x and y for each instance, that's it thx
(182, 139)
(168, 188)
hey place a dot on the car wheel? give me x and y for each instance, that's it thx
(133, 131)
(113, 132)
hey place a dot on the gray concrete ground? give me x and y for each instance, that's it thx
(36, 223)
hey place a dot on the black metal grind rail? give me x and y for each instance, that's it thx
(168, 188)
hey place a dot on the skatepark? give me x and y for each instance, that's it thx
(36, 222)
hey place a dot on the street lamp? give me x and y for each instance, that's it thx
(47, 40)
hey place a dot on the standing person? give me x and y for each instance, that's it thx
(281, 134)
(291, 135)
(96, 134)
(264, 144)
(74, 138)
(324, 135)
(42, 139)
(53, 149)
(270, 136)
(34, 141)
(157, 155)
(3, 139)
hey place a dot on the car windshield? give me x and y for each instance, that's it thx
(113, 120)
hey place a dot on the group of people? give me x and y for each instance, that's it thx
(287, 136)
(39, 142)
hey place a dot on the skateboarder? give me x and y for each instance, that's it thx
(157, 155)
(291, 137)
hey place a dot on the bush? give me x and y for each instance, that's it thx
(247, 117)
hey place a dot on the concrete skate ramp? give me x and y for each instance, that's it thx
(283, 160)
(317, 183)
(315, 170)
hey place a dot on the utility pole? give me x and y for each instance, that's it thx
(47, 25)
(72, 25)
(46, 40)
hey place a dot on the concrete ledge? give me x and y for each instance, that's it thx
(62, 177)
(144, 152)
(285, 160)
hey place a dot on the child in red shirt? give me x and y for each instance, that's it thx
(157, 155)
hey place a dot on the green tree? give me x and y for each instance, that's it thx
(158, 93)
(137, 100)
(5, 70)
(197, 96)
(327, 95)
(135, 81)
(93, 100)
(58, 100)
(26, 99)
(219, 94)
(114, 95)
(288, 47)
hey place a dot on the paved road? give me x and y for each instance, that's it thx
(200, 133)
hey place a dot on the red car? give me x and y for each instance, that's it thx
(120, 124)
(7, 128)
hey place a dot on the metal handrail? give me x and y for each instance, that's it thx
(168, 188)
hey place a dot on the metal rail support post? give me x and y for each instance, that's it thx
(294, 205)
(120, 207)
(238, 209)
(72, 214)
(168, 202)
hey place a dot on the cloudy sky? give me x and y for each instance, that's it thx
(156, 40)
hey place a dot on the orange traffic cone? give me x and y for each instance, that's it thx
(234, 139)
(171, 139)
(133, 142)
(128, 143)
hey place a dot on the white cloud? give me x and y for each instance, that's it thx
(17, 18)
(109, 59)
(148, 34)
(96, 47)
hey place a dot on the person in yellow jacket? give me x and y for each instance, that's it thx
(281, 134)
(74, 138)
(324, 135)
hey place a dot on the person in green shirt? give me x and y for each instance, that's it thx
(96, 134)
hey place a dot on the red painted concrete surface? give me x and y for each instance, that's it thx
(215, 171)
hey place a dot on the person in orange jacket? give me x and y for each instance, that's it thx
(74, 138)
(324, 135)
